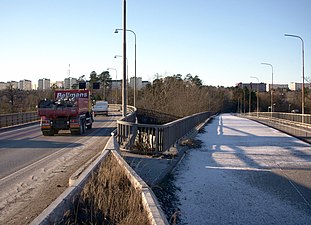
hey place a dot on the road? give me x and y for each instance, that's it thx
(34, 169)
(245, 173)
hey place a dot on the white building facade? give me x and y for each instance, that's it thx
(297, 86)
(24, 85)
(69, 82)
(139, 82)
(44, 84)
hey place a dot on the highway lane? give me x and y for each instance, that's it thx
(34, 167)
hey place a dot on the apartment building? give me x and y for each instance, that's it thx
(297, 86)
(44, 84)
(69, 82)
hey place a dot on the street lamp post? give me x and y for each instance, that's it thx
(116, 82)
(303, 75)
(257, 93)
(243, 98)
(268, 64)
(126, 79)
(250, 99)
(127, 67)
(135, 85)
(124, 103)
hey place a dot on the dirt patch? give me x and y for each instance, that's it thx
(168, 199)
(191, 143)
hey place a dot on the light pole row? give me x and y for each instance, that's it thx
(135, 85)
(271, 90)
(116, 83)
(257, 93)
(303, 78)
(303, 74)
(126, 62)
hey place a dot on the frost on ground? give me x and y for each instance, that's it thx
(244, 173)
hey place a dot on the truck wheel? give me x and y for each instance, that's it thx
(89, 126)
(81, 127)
(74, 132)
(48, 132)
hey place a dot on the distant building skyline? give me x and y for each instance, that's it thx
(70, 82)
(22, 85)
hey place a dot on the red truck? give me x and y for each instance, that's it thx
(70, 110)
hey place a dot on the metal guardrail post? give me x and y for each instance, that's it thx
(156, 130)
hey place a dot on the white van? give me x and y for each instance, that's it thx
(100, 108)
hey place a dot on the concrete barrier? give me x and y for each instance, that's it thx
(55, 211)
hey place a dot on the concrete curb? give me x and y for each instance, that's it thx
(56, 210)
(62, 203)
(153, 208)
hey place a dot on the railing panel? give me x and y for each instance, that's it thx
(157, 138)
(17, 118)
(293, 117)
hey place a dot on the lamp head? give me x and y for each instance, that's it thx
(116, 31)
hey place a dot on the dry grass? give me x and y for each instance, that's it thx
(108, 198)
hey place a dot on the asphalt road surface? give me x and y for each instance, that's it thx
(34, 169)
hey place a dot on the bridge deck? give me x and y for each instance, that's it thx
(245, 173)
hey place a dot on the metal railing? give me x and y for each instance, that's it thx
(301, 119)
(12, 119)
(150, 138)
(297, 125)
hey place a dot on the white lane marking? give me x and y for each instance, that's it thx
(237, 168)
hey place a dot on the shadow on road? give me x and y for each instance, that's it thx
(37, 144)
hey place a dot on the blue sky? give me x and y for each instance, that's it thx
(223, 41)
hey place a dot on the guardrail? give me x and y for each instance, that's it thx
(150, 138)
(294, 117)
(297, 125)
(12, 119)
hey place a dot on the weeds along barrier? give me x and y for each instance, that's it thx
(7, 120)
(57, 209)
(297, 125)
(151, 138)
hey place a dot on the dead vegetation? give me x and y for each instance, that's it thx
(191, 143)
(108, 198)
